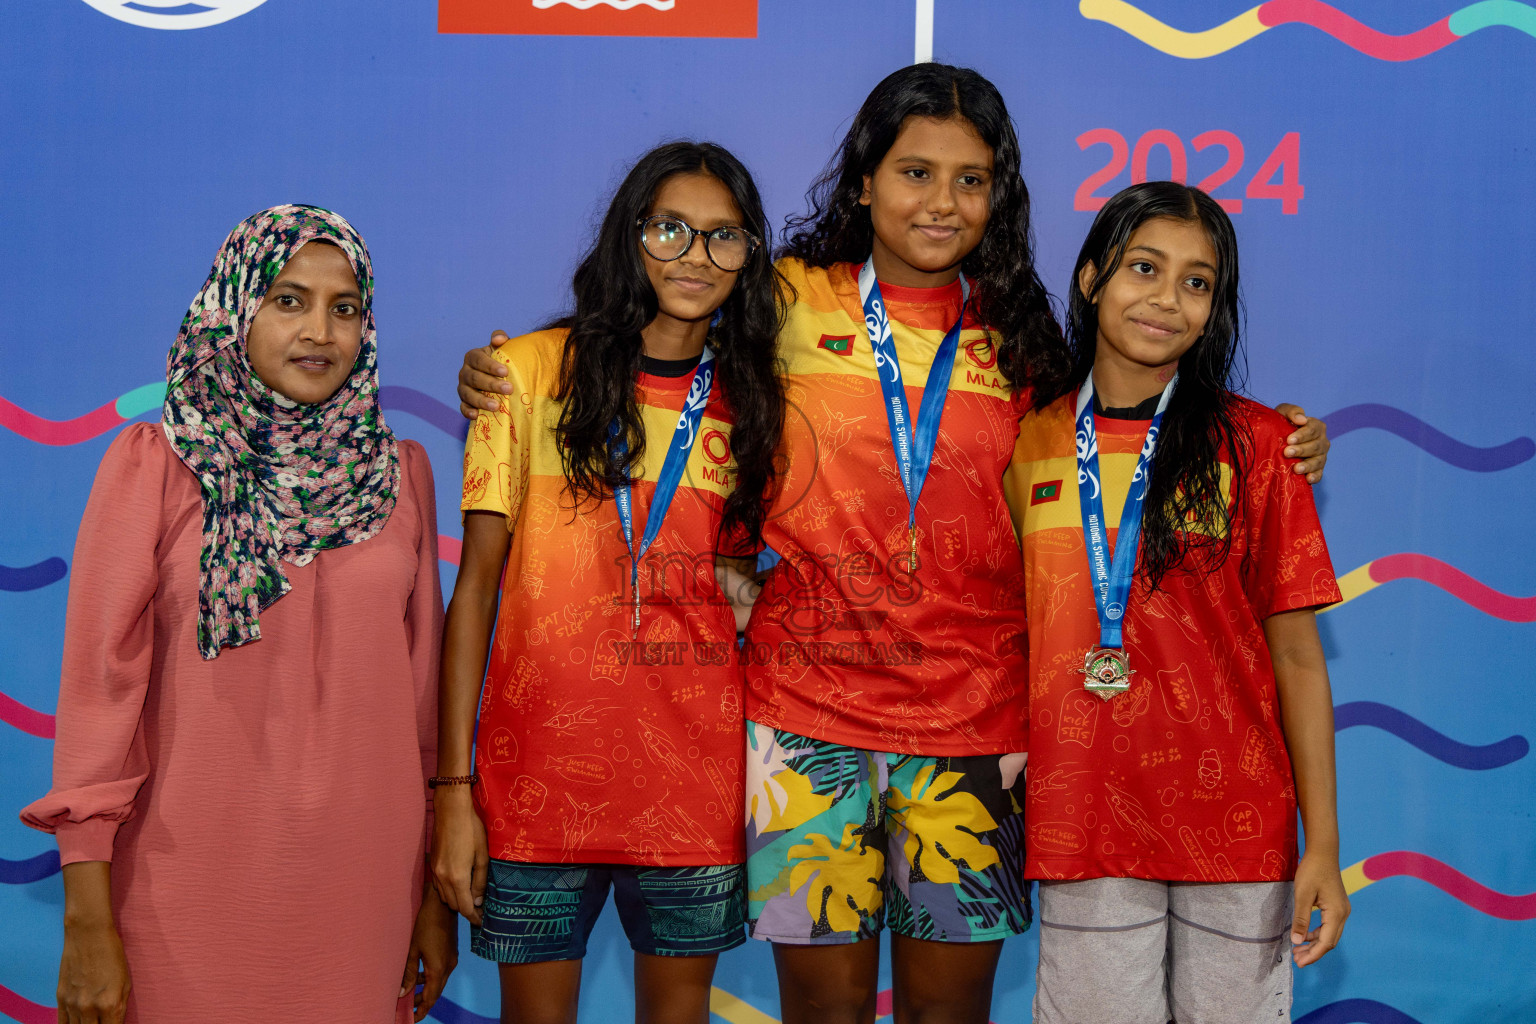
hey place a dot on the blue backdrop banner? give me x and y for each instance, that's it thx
(1376, 155)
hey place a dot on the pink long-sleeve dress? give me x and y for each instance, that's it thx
(265, 813)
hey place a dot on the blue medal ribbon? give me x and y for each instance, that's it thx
(1112, 577)
(913, 446)
(683, 437)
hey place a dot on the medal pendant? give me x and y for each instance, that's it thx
(1107, 672)
(635, 620)
(912, 550)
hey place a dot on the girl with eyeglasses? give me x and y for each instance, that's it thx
(632, 453)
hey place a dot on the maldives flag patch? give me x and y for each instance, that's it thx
(840, 344)
(1042, 493)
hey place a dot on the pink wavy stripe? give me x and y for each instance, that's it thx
(25, 1010)
(884, 1004)
(1458, 584)
(30, 720)
(1352, 33)
(59, 432)
(1452, 882)
(14, 712)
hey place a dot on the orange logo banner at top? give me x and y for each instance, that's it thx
(703, 18)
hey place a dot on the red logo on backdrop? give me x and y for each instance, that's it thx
(981, 353)
(711, 18)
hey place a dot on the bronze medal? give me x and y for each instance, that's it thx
(1107, 672)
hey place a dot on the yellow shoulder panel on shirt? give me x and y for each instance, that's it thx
(1046, 492)
(536, 359)
(828, 340)
(1042, 494)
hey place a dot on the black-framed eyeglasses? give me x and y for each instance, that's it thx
(666, 238)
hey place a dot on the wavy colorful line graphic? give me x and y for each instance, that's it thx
(722, 1004)
(1345, 1011)
(1437, 745)
(1420, 434)
(16, 714)
(736, 1010)
(450, 1012)
(33, 869)
(1443, 877)
(33, 577)
(424, 407)
(23, 1010)
(1357, 1011)
(150, 397)
(51, 570)
(730, 1008)
(1324, 17)
(1448, 578)
(38, 723)
(1345, 716)
(82, 428)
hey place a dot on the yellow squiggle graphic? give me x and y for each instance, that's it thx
(1172, 41)
(1355, 879)
(1354, 583)
(728, 1007)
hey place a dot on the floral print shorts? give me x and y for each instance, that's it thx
(842, 842)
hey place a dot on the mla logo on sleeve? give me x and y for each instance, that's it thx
(703, 18)
(174, 14)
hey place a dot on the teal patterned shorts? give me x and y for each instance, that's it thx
(539, 912)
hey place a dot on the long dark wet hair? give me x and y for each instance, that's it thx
(615, 301)
(1186, 520)
(1007, 294)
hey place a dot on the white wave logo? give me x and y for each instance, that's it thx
(621, 5)
(179, 14)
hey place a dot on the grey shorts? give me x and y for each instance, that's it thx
(1132, 951)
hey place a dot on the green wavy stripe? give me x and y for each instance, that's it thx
(1509, 13)
(141, 400)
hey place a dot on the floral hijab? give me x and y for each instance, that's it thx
(280, 481)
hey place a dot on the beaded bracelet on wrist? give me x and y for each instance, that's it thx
(453, 780)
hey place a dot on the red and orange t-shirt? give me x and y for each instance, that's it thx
(596, 745)
(847, 643)
(1185, 776)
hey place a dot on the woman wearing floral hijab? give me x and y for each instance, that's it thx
(247, 711)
